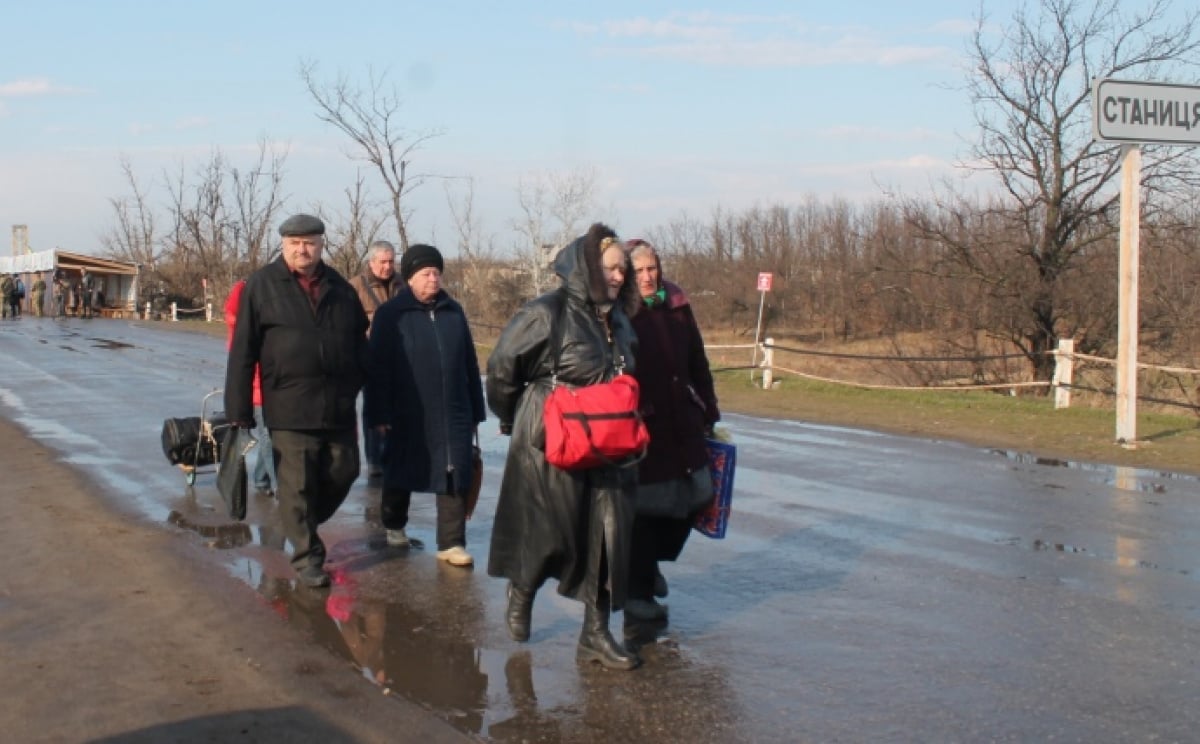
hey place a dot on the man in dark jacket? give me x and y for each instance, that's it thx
(303, 325)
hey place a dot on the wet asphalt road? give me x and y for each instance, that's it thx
(872, 587)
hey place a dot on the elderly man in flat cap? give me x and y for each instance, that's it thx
(303, 325)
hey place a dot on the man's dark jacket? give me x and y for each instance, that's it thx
(313, 361)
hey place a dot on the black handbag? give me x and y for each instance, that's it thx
(231, 474)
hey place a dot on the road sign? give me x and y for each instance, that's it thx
(764, 281)
(1151, 113)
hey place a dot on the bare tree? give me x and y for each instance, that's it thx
(555, 208)
(133, 237)
(351, 233)
(480, 283)
(256, 202)
(1029, 84)
(370, 117)
(214, 212)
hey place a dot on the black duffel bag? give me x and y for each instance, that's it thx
(183, 445)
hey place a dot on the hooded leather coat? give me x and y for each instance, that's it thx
(573, 526)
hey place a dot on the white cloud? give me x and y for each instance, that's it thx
(32, 87)
(850, 132)
(759, 41)
(193, 122)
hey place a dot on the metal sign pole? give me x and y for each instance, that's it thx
(762, 298)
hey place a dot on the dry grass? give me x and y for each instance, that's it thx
(1024, 423)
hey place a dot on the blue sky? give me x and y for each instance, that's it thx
(678, 110)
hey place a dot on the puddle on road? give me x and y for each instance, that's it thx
(1125, 478)
(221, 536)
(1045, 546)
(398, 648)
(105, 343)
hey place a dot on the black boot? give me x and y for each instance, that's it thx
(596, 642)
(520, 607)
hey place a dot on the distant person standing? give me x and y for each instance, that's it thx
(39, 296)
(300, 322)
(8, 296)
(376, 284)
(20, 293)
(61, 289)
(87, 286)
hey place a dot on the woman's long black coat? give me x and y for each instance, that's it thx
(425, 385)
(552, 523)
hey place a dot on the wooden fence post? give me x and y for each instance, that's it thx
(1064, 372)
(767, 362)
(174, 311)
(208, 313)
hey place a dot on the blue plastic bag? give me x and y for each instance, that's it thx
(713, 521)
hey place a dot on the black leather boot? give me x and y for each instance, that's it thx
(520, 607)
(596, 642)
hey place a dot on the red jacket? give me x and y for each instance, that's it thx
(231, 311)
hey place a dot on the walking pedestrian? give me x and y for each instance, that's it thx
(300, 322)
(425, 398)
(679, 405)
(376, 284)
(573, 526)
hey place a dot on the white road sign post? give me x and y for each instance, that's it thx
(1137, 113)
(764, 286)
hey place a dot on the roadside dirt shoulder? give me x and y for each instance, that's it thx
(111, 629)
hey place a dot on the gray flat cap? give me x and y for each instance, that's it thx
(302, 224)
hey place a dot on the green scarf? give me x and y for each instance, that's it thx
(657, 298)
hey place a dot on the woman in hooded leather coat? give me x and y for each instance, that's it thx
(573, 526)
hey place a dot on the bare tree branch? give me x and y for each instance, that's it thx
(370, 116)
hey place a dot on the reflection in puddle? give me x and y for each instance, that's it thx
(402, 647)
(222, 536)
(1044, 546)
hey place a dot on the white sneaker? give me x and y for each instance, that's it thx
(455, 556)
(398, 538)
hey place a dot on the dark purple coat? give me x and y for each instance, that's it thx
(678, 400)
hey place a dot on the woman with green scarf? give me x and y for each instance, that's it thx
(679, 405)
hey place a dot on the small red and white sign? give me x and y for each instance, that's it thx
(764, 281)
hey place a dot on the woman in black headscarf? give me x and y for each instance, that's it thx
(573, 526)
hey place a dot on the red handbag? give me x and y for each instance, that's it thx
(595, 425)
(592, 425)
